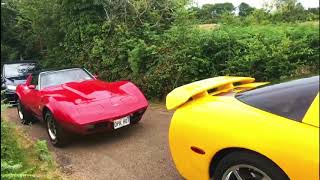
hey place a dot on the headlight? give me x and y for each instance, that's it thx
(11, 87)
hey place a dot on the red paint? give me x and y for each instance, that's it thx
(197, 150)
(75, 105)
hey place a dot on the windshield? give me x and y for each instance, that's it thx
(18, 70)
(63, 76)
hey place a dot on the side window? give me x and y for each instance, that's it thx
(34, 80)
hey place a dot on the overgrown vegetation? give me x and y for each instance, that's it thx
(21, 158)
(157, 43)
(275, 11)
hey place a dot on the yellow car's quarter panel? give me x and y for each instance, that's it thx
(312, 115)
(203, 123)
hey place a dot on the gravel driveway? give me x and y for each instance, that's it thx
(138, 152)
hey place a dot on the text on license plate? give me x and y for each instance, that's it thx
(121, 122)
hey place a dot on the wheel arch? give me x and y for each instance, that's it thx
(223, 152)
(47, 105)
(45, 109)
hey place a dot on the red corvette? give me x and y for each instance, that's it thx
(73, 100)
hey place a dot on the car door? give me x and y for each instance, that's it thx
(34, 96)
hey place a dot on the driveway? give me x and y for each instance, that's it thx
(138, 152)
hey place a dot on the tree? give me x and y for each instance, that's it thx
(245, 9)
(213, 12)
(289, 11)
(313, 13)
(11, 46)
(221, 8)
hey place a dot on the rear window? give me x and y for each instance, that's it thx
(290, 99)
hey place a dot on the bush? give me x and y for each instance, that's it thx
(157, 45)
(19, 160)
(265, 52)
(13, 163)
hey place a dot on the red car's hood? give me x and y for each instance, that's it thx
(94, 100)
(93, 90)
(88, 91)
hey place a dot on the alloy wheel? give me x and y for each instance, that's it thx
(51, 128)
(244, 172)
(20, 111)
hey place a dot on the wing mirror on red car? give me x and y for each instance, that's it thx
(32, 86)
(95, 76)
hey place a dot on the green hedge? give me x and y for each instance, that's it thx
(182, 55)
(159, 62)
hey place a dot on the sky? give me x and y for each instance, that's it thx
(255, 3)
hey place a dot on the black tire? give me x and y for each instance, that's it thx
(24, 116)
(248, 158)
(61, 135)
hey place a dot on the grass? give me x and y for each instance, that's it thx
(22, 158)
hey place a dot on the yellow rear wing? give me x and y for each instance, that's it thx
(215, 85)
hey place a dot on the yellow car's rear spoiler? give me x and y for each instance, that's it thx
(216, 85)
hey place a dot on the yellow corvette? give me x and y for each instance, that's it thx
(225, 128)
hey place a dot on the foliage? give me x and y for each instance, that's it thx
(157, 45)
(13, 171)
(245, 9)
(277, 11)
(42, 150)
(12, 161)
(18, 161)
(264, 52)
(211, 13)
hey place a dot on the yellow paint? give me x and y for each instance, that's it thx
(312, 115)
(204, 123)
(182, 94)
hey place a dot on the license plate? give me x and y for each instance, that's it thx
(121, 122)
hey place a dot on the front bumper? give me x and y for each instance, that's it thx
(9, 97)
(104, 125)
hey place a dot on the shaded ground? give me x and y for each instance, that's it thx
(138, 152)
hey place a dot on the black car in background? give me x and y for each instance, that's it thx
(13, 74)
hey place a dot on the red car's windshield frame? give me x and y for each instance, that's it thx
(57, 72)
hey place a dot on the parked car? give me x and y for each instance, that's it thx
(13, 74)
(228, 128)
(74, 101)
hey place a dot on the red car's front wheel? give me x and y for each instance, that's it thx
(24, 116)
(57, 135)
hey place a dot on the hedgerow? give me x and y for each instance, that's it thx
(157, 44)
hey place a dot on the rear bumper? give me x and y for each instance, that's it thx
(103, 125)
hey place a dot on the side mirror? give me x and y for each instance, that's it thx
(32, 86)
(95, 76)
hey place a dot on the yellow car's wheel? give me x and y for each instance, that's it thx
(247, 165)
